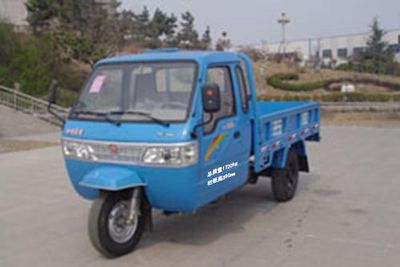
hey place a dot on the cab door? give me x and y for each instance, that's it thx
(244, 122)
(223, 153)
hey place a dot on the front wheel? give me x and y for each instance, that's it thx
(110, 230)
(284, 181)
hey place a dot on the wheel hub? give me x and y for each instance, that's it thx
(120, 230)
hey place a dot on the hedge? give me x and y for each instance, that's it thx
(278, 81)
(65, 97)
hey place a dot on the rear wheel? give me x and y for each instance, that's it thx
(284, 181)
(110, 230)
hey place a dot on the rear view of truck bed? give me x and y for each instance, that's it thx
(281, 125)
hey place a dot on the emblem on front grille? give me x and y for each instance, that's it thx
(74, 131)
(113, 148)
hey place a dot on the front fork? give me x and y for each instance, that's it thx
(138, 198)
(134, 207)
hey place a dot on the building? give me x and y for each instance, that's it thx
(334, 50)
(14, 12)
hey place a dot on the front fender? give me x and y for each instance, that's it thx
(111, 179)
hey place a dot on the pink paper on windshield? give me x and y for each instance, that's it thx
(97, 84)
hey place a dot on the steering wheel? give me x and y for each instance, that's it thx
(173, 104)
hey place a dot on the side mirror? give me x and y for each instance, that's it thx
(211, 98)
(51, 98)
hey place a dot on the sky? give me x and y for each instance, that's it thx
(248, 22)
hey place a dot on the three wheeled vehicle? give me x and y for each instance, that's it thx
(175, 130)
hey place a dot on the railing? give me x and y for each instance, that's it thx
(28, 104)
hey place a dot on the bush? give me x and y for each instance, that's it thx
(345, 67)
(65, 97)
(8, 43)
(396, 97)
(33, 61)
(278, 81)
(379, 97)
(76, 47)
(29, 63)
(365, 97)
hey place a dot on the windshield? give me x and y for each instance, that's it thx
(138, 91)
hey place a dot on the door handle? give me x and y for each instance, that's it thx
(236, 134)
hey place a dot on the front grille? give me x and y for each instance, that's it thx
(100, 151)
(126, 152)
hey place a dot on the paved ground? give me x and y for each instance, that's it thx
(346, 213)
(20, 131)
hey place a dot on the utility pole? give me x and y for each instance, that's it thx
(283, 20)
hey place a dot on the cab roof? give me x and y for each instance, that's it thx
(171, 54)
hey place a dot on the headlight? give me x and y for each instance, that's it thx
(171, 155)
(78, 150)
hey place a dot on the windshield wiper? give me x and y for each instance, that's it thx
(140, 113)
(99, 114)
(107, 116)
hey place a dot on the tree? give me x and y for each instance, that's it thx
(206, 39)
(42, 14)
(161, 25)
(188, 36)
(9, 43)
(142, 24)
(127, 24)
(378, 53)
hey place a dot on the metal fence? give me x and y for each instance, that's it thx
(28, 104)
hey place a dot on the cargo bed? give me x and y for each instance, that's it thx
(279, 126)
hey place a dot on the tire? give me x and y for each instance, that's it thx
(284, 181)
(112, 207)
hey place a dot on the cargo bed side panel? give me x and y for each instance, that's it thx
(279, 125)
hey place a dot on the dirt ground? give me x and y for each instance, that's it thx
(7, 145)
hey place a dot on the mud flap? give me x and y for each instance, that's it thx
(303, 163)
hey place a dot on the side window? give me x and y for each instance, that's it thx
(243, 89)
(222, 77)
(246, 78)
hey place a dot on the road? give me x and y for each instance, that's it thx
(346, 213)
